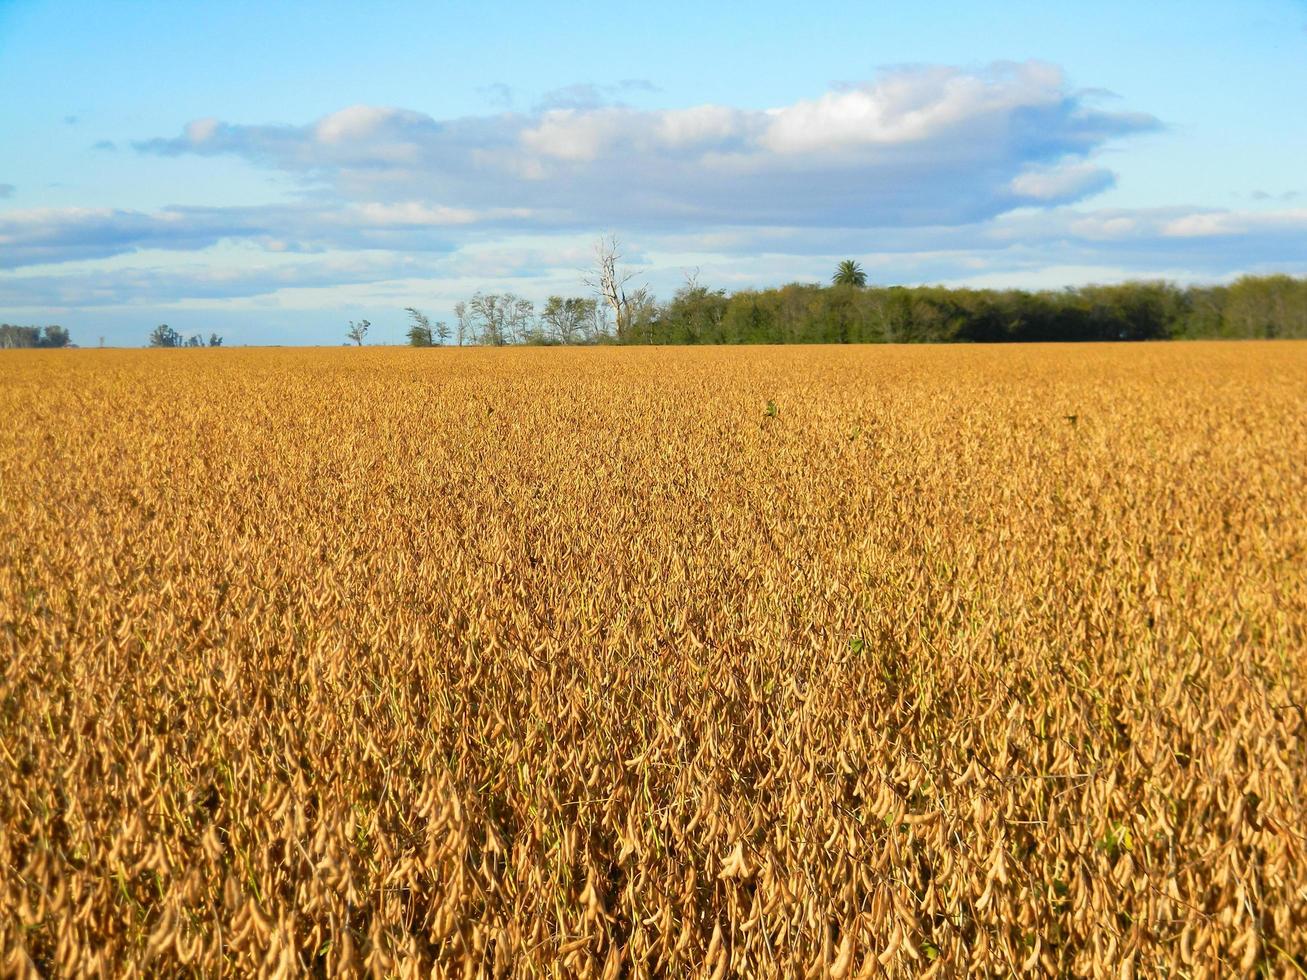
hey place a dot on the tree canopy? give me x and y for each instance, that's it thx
(1266, 306)
(50, 336)
(849, 273)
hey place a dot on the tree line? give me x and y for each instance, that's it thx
(14, 336)
(500, 319)
(1269, 306)
(165, 336)
(848, 311)
(55, 336)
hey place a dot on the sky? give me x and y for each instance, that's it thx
(271, 171)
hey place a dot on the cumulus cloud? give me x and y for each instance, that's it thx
(916, 146)
(915, 105)
(1062, 182)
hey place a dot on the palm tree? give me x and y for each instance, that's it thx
(849, 273)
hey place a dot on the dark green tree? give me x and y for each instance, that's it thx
(54, 336)
(1266, 306)
(14, 336)
(165, 336)
(694, 316)
(419, 332)
(568, 320)
(849, 273)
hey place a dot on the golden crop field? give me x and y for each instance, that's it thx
(793, 662)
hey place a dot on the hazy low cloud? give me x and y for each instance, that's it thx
(1260, 195)
(370, 246)
(45, 235)
(916, 146)
(48, 235)
(100, 288)
(1214, 238)
(1207, 242)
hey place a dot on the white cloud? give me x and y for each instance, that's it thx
(411, 213)
(570, 134)
(1061, 182)
(1211, 224)
(353, 123)
(916, 146)
(913, 106)
(1104, 227)
(705, 124)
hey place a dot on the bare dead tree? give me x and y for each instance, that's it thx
(357, 331)
(609, 280)
(460, 311)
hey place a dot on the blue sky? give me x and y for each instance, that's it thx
(272, 170)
